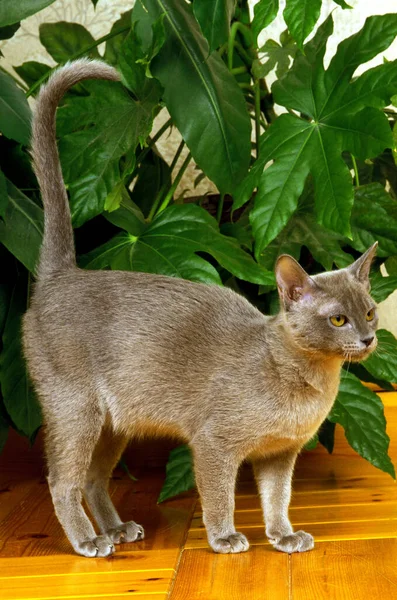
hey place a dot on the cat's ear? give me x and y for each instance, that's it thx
(293, 283)
(361, 267)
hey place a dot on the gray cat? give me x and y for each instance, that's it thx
(115, 355)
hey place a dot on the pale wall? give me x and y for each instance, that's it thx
(25, 45)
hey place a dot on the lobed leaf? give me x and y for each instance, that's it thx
(378, 224)
(90, 158)
(301, 17)
(265, 11)
(169, 245)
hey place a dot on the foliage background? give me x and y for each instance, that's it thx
(358, 410)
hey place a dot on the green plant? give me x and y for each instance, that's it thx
(329, 192)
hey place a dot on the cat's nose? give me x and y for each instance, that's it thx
(368, 341)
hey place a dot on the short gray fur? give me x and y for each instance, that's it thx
(117, 355)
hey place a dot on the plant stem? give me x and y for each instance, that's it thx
(219, 208)
(75, 56)
(246, 32)
(160, 193)
(156, 202)
(239, 70)
(153, 140)
(20, 83)
(177, 155)
(355, 171)
(175, 184)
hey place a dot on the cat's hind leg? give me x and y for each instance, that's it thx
(73, 426)
(106, 455)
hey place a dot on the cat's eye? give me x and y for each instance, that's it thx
(370, 314)
(338, 320)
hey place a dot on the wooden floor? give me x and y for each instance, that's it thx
(349, 506)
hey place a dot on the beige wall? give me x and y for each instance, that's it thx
(25, 45)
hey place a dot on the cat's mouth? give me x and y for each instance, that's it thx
(358, 354)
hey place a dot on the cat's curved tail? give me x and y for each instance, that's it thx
(57, 250)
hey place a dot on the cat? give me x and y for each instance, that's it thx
(114, 355)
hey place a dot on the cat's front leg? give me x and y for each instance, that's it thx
(273, 475)
(216, 471)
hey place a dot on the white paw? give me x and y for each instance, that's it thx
(126, 532)
(300, 541)
(236, 542)
(97, 547)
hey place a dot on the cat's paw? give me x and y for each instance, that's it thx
(126, 532)
(236, 542)
(300, 541)
(97, 547)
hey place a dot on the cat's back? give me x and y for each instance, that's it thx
(119, 307)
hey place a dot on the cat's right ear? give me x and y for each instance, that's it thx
(294, 284)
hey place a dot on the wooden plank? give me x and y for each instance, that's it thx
(125, 573)
(31, 528)
(338, 513)
(347, 530)
(260, 574)
(358, 570)
(307, 498)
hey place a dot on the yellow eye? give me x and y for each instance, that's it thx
(338, 320)
(370, 315)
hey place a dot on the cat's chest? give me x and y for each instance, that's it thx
(299, 409)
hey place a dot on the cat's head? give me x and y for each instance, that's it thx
(331, 313)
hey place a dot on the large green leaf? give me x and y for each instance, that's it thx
(32, 71)
(169, 246)
(315, 145)
(113, 45)
(359, 370)
(202, 97)
(12, 12)
(180, 475)
(21, 228)
(300, 17)
(382, 287)
(383, 362)
(63, 40)
(114, 124)
(18, 396)
(3, 194)
(374, 218)
(7, 32)
(15, 113)
(326, 435)
(360, 412)
(265, 11)
(303, 230)
(214, 18)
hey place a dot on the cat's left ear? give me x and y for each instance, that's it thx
(361, 267)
